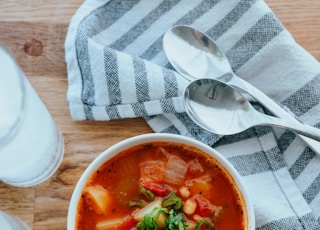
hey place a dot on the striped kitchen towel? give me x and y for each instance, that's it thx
(117, 69)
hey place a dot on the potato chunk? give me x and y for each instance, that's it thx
(109, 224)
(98, 198)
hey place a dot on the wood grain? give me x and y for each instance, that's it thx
(45, 206)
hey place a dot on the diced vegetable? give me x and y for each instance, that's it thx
(156, 215)
(153, 220)
(203, 179)
(157, 189)
(189, 206)
(197, 217)
(147, 194)
(172, 200)
(204, 207)
(98, 198)
(175, 170)
(147, 223)
(191, 225)
(184, 192)
(195, 167)
(151, 171)
(149, 208)
(200, 185)
(136, 202)
(127, 223)
(206, 223)
(161, 220)
(109, 224)
(175, 221)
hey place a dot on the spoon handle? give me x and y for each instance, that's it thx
(273, 107)
(299, 128)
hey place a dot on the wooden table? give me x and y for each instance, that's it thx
(45, 23)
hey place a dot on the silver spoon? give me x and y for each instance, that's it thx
(195, 55)
(221, 109)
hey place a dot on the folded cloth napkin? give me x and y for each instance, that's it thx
(117, 69)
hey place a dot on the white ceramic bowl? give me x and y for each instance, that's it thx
(147, 138)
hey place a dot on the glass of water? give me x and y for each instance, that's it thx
(9, 222)
(31, 145)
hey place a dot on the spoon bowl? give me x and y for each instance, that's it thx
(195, 55)
(221, 109)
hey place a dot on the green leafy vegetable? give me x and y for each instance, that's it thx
(136, 202)
(147, 194)
(204, 222)
(149, 221)
(172, 200)
(175, 221)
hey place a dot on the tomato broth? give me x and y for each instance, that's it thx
(123, 192)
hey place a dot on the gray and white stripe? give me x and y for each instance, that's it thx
(117, 69)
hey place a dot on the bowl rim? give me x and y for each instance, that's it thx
(157, 137)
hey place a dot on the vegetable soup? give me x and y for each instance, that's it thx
(161, 186)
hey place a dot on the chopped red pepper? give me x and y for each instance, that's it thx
(204, 207)
(128, 223)
(157, 189)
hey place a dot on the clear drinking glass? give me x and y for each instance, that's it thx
(31, 145)
(9, 222)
